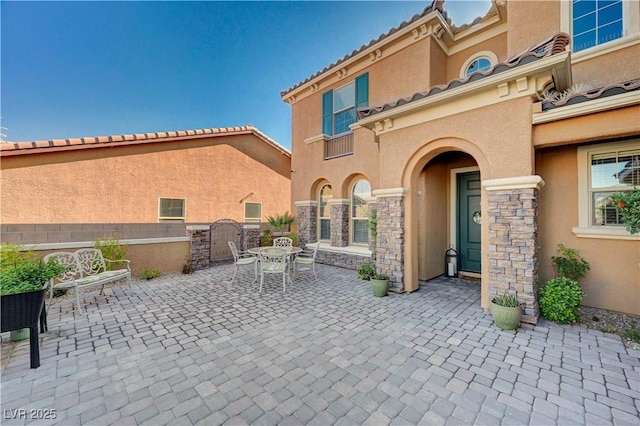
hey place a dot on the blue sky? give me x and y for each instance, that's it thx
(74, 69)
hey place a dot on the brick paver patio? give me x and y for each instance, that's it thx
(195, 350)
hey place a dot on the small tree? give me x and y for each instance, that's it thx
(280, 222)
(111, 249)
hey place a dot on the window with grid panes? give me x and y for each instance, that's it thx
(611, 172)
(360, 212)
(595, 22)
(324, 213)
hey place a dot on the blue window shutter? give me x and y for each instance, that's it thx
(362, 91)
(327, 113)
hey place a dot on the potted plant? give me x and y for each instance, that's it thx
(506, 312)
(23, 281)
(365, 271)
(379, 284)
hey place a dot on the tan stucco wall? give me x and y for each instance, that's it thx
(615, 67)
(497, 45)
(123, 184)
(614, 279)
(162, 256)
(592, 127)
(530, 22)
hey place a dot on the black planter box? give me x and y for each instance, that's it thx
(25, 310)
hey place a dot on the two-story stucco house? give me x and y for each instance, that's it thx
(501, 138)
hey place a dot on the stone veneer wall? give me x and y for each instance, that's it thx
(339, 223)
(307, 218)
(390, 247)
(342, 260)
(200, 252)
(513, 247)
(200, 239)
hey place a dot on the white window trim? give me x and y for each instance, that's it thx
(251, 219)
(161, 218)
(584, 228)
(492, 57)
(630, 31)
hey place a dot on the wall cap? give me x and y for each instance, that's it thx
(519, 182)
(89, 244)
(353, 250)
(390, 192)
(306, 203)
(198, 227)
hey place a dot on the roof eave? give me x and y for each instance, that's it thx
(433, 15)
(558, 65)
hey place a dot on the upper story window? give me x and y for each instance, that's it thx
(339, 106)
(171, 210)
(324, 212)
(360, 212)
(479, 61)
(595, 22)
(253, 212)
(480, 64)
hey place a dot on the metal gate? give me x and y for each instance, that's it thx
(221, 232)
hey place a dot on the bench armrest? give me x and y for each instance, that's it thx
(127, 262)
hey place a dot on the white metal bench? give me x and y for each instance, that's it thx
(85, 268)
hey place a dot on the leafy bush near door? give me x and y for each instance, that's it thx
(560, 299)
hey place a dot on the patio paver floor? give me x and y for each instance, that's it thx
(196, 350)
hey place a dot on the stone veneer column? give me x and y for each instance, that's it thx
(339, 222)
(513, 240)
(200, 246)
(390, 244)
(307, 219)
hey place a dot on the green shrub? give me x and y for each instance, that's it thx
(22, 272)
(111, 249)
(366, 271)
(294, 239)
(266, 239)
(280, 222)
(147, 274)
(506, 300)
(560, 299)
(569, 264)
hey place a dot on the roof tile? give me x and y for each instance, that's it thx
(553, 45)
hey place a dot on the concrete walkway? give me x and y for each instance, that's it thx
(195, 350)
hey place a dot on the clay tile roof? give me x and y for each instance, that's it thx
(575, 96)
(11, 148)
(549, 47)
(435, 5)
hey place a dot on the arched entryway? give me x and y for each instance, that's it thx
(444, 194)
(448, 213)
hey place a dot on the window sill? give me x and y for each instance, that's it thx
(604, 49)
(604, 233)
(354, 250)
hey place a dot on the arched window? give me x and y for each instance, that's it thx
(480, 64)
(360, 212)
(324, 212)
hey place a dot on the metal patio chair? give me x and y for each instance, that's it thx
(243, 259)
(274, 260)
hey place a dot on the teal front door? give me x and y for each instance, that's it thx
(469, 233)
